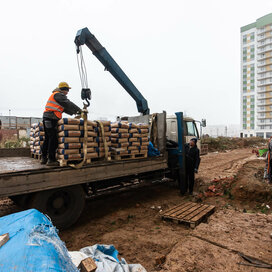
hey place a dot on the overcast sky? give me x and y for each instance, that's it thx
(181, 55)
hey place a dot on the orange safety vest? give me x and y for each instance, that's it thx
(53, 105)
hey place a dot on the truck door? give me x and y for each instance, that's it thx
(191, 131)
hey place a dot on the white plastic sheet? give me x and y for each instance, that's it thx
(106, 259)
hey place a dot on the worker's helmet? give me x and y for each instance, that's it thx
(64, 85)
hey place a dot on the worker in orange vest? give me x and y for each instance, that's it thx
(55, 106)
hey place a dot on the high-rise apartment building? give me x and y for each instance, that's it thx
(256, 78)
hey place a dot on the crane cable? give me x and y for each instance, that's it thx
(84, 113)
(82, 69)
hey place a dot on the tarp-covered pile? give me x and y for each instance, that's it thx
(129, 138)
(34, 244)
(36, 138)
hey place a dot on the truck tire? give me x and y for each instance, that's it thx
(63, 205)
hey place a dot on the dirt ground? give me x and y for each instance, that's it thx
(242, 222)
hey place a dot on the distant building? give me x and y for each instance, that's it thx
(256, 78)
(13, 122)
(221, 130)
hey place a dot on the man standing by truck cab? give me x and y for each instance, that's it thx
(192, 161)
(55, 106)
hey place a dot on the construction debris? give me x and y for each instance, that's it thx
(87, 265)
(3, 239)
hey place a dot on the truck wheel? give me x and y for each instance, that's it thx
(63, 205)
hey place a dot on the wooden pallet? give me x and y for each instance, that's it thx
(74, 161)
(36, 156)
(129, 156)
(189, 213)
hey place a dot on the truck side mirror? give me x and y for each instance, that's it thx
(203, 122)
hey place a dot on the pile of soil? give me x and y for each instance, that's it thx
(230, 143)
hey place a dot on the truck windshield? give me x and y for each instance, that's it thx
(191, 129)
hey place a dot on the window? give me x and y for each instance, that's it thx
(191, 130)
(259, 134)
(262, 121)
(252, 37)
(244, 38)
(268, 134)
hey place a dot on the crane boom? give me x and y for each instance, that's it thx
(84, 36)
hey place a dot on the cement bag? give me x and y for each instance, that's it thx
(142, 125)
(106, 259)
(120, 125)
(143, 139)
(76, 145)
(75, 151)
(39, 133)
(120, 135)
(74, 139)
(133, 130)
(100, 139)
(73, 133)
(119, 130)
(106, 129)
(119, 140)
(74, 127)
(143, 130)
(134, 135)
(73, 121)
(77, 156)
(134, 143)
(118, 145)
(34, 244)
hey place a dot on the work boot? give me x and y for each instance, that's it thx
(43, 160)
(52, 163)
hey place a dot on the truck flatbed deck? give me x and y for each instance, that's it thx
(21, 175)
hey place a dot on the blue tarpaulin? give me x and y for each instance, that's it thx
(152, 151)
(34, 244)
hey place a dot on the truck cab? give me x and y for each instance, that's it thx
(190, 129)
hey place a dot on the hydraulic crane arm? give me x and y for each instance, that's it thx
(84, 36)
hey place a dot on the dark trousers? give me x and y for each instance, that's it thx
(50, 143)
(188, 182)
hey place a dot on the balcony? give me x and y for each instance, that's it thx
(260, 57)
(264, 43)
(260, 91)
(263, 30)
(265, 123)
(264, 110)
(264, 76)
(264, 49)
(268, 82)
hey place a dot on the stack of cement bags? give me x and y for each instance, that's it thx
(71, 138)
(103, 141)
(36, 138)
(129, 139)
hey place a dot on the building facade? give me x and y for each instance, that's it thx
(256, 78)
(13, 122)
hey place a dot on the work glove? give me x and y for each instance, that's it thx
(78, 114)
(196, 171)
